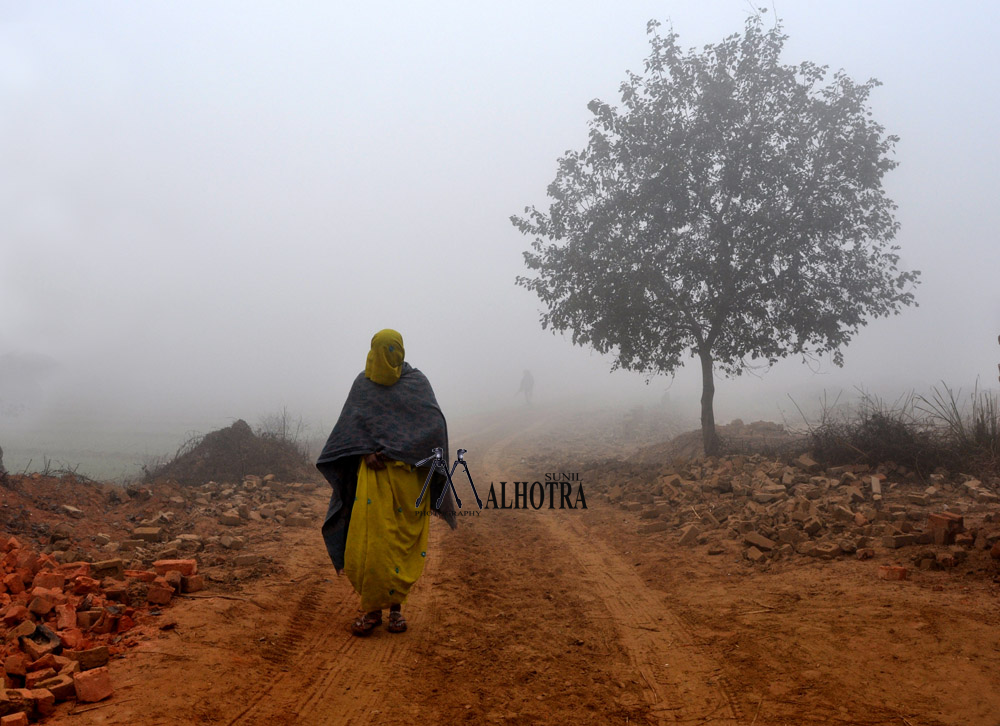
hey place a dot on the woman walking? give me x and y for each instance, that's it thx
(372, 529)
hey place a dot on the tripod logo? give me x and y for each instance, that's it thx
(440, 464)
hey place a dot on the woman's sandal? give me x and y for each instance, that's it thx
(367, 623)
(397, 623)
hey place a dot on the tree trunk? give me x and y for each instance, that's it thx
(709, 439)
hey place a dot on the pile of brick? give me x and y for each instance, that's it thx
(216, 522)
(85, 568)
(223, 514)
(62, 621)
(776, 510)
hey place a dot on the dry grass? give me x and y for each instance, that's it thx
(919, 432)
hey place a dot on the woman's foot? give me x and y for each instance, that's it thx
(367, 623)
(397, 623)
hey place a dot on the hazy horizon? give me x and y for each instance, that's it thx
(210, 208)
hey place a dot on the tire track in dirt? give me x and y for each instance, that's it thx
(322, 674)
(681, 684)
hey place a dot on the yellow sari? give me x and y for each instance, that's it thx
(387, 537)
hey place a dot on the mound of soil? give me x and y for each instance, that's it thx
(230, 454)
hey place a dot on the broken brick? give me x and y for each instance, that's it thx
(185, 567)
(93, 685)
(755, 539)
(13, 583)
(91, 658)
(192, 583)
(15, 665)
(689, 535)
(892, 572)
(65, 616)
(32, 679)
(50, 579)
(45, 701)
(158, 595)
(945, 526)
(60, 686)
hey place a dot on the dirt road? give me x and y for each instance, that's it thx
(553, 617)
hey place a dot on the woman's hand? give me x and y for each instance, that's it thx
(374, 461)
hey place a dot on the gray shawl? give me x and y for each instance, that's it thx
(403, 422)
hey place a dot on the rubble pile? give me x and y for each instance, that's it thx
(75, 520)
(62, 621)
(775, 510)
(82, 582)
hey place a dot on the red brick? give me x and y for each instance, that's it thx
(35, 650)
(43, 600)
(125, 623)
(143, 575)
(892, 572)
(945, 526)
(60, 686)
(21, 699)
(173, 577)
(193, 583)
(35, 677)
(86, 618)
(105, 624)
(76, 569)
(185, 567)
(15, 719)
(13, 583)
(946, 559)
(92, 658)
(46, 661)
(51, 580)
(965, 539)
(65, 616)
(28, 560)
(157, 595)
(15, 614)
(93, 685)
(116, 592)
(72, 638)
(83, 584)
(15, 665)
(22, 629)
(45, 701)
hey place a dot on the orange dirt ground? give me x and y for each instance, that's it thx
(556, 617)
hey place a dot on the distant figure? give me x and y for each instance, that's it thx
(527, 386)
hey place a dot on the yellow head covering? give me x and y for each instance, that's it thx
(385, 359)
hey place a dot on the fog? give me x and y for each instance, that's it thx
(209, 208)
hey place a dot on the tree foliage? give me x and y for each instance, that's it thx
(731, 207)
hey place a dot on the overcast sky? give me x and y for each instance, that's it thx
(208, 208)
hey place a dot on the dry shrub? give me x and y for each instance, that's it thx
(922, 433)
